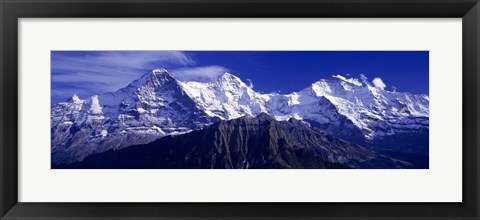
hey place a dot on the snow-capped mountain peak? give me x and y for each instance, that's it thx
(227, 97)
(160, 71)
(155, 78)
(75, 99)
(228, 77)
(157, 104)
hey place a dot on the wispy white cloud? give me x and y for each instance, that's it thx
(93, 72)
(112, 66)
(199, 74)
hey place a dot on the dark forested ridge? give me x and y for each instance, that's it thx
(250, 143)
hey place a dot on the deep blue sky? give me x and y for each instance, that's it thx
(90, 72)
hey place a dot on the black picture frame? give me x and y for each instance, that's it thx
(12, 10)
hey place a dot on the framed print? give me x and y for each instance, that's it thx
(226, 109)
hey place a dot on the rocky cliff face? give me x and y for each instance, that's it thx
(246, 143)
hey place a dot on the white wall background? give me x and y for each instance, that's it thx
(440, 183)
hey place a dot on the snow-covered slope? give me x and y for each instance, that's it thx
(228, 97)
(157, 105)
(371, 110)
(148, 108)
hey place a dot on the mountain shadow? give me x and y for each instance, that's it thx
(245, 143)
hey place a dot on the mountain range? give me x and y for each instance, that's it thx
(157, 108)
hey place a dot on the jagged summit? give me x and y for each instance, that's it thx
(353, 81)
(228, 78)
(160, 71)
(293, 120)
(74, 99)
(155, 78)
(156, 73)
(263, 116)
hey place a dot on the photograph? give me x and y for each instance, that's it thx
(165, 109)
